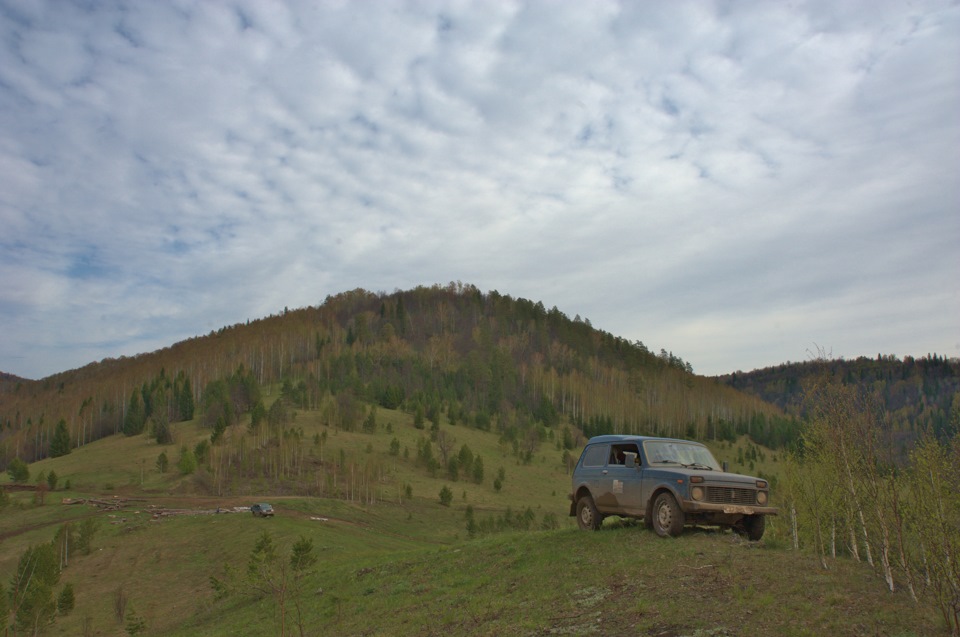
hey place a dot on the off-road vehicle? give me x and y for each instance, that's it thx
(667, 483)
(262, 510)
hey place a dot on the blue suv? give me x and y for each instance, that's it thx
(668, 483)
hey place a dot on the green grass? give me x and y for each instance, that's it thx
(392, 568)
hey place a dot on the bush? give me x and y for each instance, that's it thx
(18, 470)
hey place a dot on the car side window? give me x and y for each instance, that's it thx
(618, 453)
(595, 456)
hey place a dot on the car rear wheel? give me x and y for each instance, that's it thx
(667, 517)
(588, 518)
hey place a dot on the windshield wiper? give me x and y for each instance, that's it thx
(697, 465)
(665, 462)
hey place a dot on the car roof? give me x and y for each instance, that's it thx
(631, 438)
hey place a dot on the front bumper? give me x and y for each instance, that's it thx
(692, 506)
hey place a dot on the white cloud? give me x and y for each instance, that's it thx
(704, 178)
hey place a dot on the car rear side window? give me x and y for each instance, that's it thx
(595, 456)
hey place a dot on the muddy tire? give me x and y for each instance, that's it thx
(753, 527)
(667, 517)
(588, 518)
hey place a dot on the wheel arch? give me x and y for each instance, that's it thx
(582, 490)
(660, 488)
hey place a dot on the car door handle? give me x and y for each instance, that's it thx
(604, 472)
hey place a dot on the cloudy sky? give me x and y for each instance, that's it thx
(736, 182)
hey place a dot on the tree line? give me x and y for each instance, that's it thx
(916, 394)
(486, 358)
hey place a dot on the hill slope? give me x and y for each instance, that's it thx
(484, 359)
(412, 568)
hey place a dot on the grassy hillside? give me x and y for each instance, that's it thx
(402, 566)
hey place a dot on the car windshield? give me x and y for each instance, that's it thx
(682, 453)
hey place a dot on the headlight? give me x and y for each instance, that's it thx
(761, 497)
(696, 493)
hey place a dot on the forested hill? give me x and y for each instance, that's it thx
(484, 359)
(914, 394)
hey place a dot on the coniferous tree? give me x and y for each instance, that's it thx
(136, 416)
(66, 599)
(161, 429)
(257, 415)
(370, 422)
(162, 462)
(84, 540)
(183, 395)
(478, 470)
(418, 417)
(446, 496)
(302, 562)
(187, 463)
(4, 605)
(60, 443)
(202, 452)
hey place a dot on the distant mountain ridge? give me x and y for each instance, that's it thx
(5, 377)
(485, 358)
(915, 394)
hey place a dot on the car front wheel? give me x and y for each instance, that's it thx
(753, 527)
(588, 518)
(667, 517)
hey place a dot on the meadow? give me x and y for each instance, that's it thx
(392, 560)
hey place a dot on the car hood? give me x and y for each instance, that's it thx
(711, 477)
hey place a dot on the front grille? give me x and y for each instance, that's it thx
(726, 495)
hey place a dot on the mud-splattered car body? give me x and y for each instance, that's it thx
(666, 482)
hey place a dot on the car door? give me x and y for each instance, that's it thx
(623, 481)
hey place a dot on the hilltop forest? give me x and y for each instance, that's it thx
(910, 396)
(485, 359)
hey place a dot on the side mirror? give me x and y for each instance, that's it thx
(725, 466)
(630, 459)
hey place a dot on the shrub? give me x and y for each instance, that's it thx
(18, 470)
